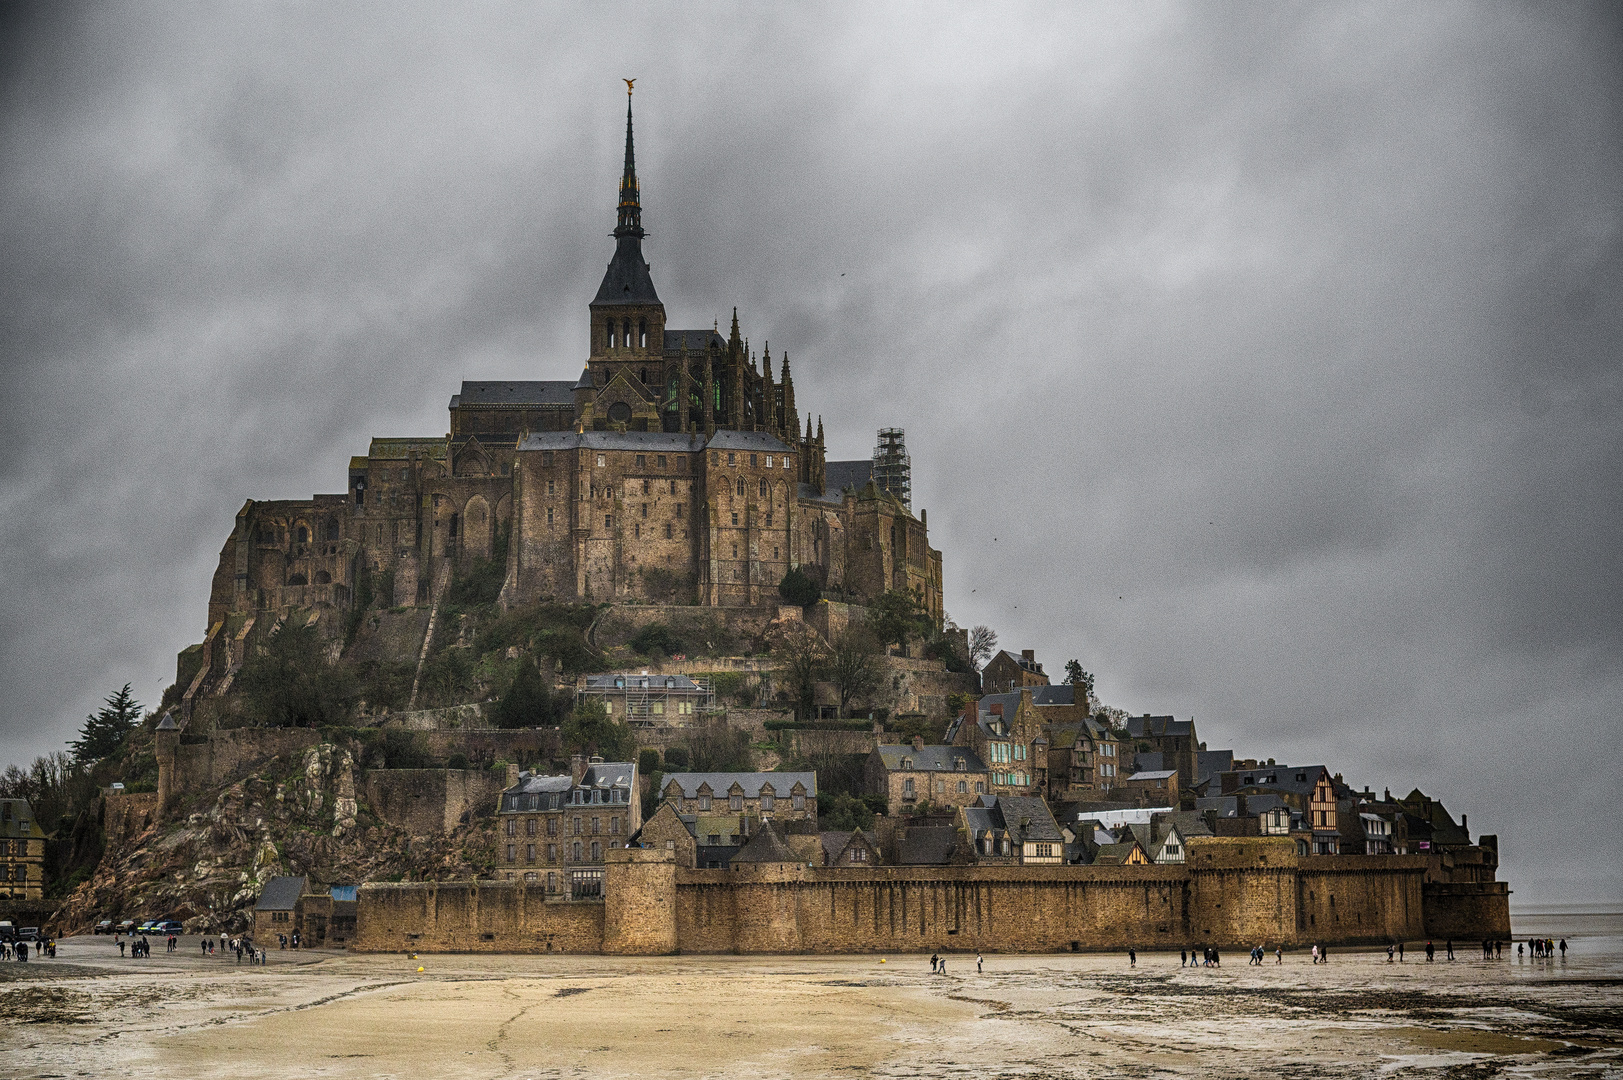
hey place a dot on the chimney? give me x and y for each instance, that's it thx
(997, 708)
(1387, 795)
(918, 742)
(577, 768)
(1240, 809)
(1028, 654)
(512, 773)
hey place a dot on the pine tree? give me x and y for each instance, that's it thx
(106, 729)
(527, 702)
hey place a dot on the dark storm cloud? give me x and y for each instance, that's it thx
(1276, 346)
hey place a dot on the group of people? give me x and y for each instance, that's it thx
(138, 946)
(1543, 948)
(1208, 958)
(1258, 953)
(18, 950)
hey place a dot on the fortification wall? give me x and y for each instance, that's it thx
(1235, 899)
(465, 916)
(431, 801)
(1468, 911)
(810, 742)
(226, 755)
(896, 909)
(450, 718)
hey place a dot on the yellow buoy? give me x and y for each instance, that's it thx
(881, 960)
(419, 968)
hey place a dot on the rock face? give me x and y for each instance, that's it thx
(299, 815)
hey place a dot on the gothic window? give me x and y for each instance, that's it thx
(763, 489)
(642, 377)
(642, 335)
(304, 534)
(620, 412)
(608, 334)
(625, 333)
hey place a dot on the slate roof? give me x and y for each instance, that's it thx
(1022, 817)
(831, 496)
(1113, 854)
(1154, 774)
(626, 281)
(527, 392)
(926, 846)
(280, 894)
(839, 475)
(607, 774)
(751, 782)
(942, 758)
(1278, 777)
(835, 841)
(1031, 666)
(696, 340)
(672, 442)
(747, 440)
(1140, 727)
(1148, 762)
(1063, 694)
(1208, 762)
(13, 812)
(1229, 806)
(766, 846)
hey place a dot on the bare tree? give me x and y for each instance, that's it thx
(982, 645)
(801, 652)
(854, 667)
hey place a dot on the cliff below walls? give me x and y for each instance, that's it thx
(298, 814)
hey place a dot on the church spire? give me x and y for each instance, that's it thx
(630, 220)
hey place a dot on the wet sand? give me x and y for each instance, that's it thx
(91, 1013)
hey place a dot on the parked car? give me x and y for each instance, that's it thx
(169, 926)
(8, 932)
(125, 927)
(104, 927)
(146, 926)
(28, 933)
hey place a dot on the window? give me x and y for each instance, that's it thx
(597, 850)
(608, 337)
(766, 800)
(704, 801)
(763, 489)
(512, 852)
(552, 881)
(798, 800)
(980, 787)
(667, 530)
(512, 827)
(546, 459)
(642, 337)
(608, 521)
(529, 853)
(575, 850)
(735, 522)
(551, 490)
(600, 461)
(1045, 851)
(642, 459)
(678, 511)
(769, 461)
(636, 531)
(577, 824)
(740, 488)
(786, 461)
(907, 788)
(660, 460)
(735, 802)
(529, 827)
(552, 854)
(549, 515)
(552, 826)
(614, 826)
(963, 787)
(644, 509)
(597, 826)
(732, 458)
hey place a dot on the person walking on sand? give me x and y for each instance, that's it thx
(977, 963)
(1183, 958)
(935, 962)
(1431, 952)
(1315, 954)
(1400, 952)
(1389, 951)
(1563, 948)
(1449, 947)
(1279, 954)
(1132, 956)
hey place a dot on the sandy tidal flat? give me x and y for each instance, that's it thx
(91, 1013)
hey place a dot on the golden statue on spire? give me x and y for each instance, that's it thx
(628, 83)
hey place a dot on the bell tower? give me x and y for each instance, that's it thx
(628, 321)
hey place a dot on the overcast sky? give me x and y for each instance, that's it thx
(1263, 357)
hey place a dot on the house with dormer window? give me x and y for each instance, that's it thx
(785, 796)
(913, 775)
(1007, 732)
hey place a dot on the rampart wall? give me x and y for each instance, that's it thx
(1257, 892)
(428, 802)
(225, 755)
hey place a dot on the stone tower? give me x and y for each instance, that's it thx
(166, 741)
(639, 902)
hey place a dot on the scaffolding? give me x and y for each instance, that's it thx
(892, 468)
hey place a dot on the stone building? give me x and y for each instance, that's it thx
(763, 796)
(676, 467)
(1006, 731)
(1084, 761)
(911, 775)
(1175, 740)
(553, 831)
(1006, 672)
(1012, 830)
(644, 700)
(22, 852)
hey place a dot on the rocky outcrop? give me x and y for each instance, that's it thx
(300, 815)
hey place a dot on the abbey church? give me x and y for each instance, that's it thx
(675, 468)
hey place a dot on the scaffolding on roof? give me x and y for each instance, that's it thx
(892, 468)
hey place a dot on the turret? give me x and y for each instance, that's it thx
(166, 741)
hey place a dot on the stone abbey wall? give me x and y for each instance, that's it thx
(1256, 891)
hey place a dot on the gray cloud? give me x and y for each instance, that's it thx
(1276, 347)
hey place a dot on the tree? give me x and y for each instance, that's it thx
(982, 645)
(527, 703)
(106, 729)
(854, 666)
(798, 588)
(591, 730)
(716, 748)
(895, 617)
(1077, 677)
(801, 655)
(291, 682)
